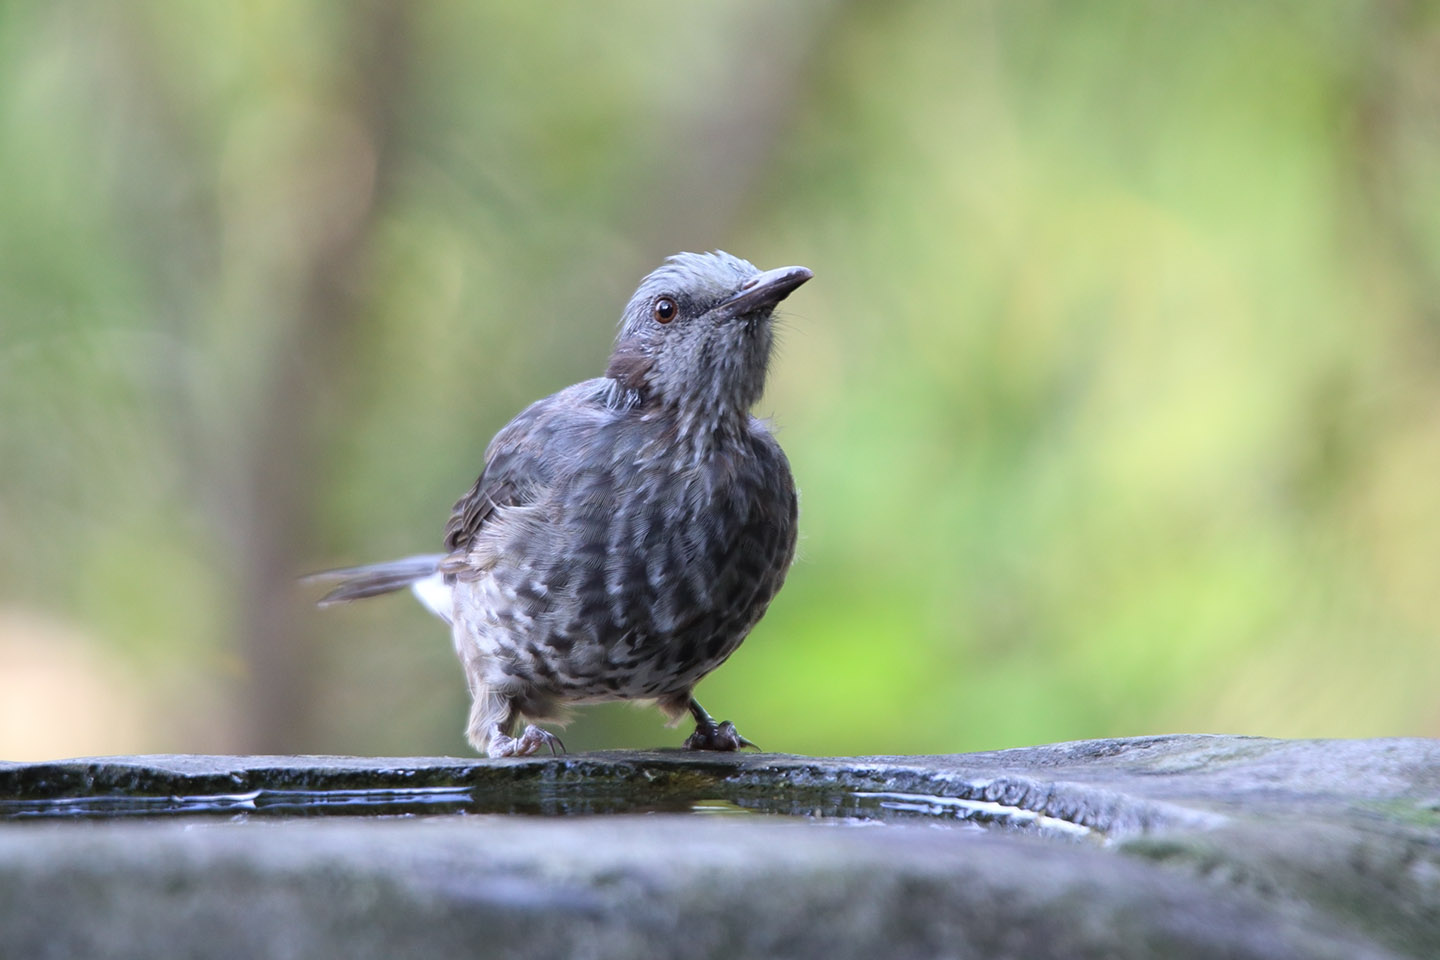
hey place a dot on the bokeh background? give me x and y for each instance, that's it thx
(1115, 402)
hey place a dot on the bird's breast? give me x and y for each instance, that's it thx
(645, 573)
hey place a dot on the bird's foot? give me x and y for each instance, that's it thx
(528, 743)
(717, 736)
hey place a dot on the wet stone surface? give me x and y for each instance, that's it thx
(1186, 846)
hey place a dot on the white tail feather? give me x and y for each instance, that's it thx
(435, 595)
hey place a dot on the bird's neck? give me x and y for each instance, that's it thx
(696, 425)
(711, 405)
(708, 422)
(706, 399)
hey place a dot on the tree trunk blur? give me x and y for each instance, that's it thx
(280, 494)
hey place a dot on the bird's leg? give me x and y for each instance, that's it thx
(502, 744)
(710, 735)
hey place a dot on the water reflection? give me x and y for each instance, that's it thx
(551, 800)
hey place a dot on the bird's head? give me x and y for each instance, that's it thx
(697, 334)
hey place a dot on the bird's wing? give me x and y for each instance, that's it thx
(522, 464)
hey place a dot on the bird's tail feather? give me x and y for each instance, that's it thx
(355, 583)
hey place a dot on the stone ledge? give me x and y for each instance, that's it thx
(1213, 846)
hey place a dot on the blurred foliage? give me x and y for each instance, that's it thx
(1115, 403)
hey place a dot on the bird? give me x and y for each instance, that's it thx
(626, 533)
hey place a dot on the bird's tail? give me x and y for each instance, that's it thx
(421, 574)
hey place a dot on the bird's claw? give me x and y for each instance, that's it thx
(723, 737)
(527, 744)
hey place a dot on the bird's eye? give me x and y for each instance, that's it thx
(665, 310)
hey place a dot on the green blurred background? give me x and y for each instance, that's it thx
(1115, 402)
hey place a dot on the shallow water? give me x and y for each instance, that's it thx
(841, 807)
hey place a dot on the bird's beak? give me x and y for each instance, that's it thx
(767, 289)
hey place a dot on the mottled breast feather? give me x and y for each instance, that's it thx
(627, 568)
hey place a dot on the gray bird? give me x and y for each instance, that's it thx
(627, 532)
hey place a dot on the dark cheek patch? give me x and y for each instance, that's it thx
(631, 367)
